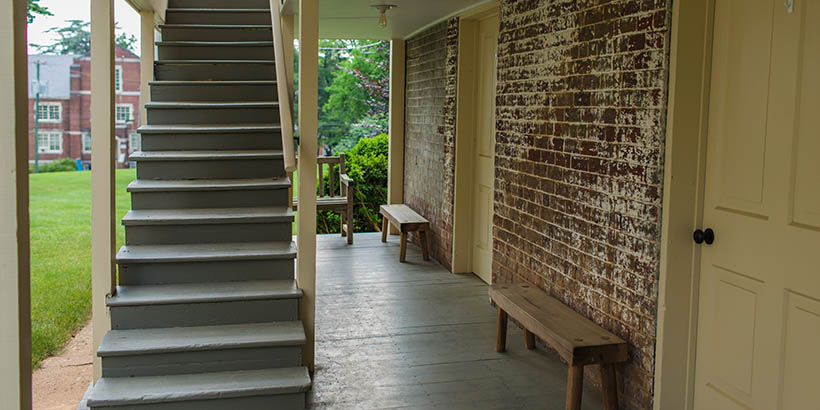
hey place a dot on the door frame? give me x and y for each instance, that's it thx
(466, 106)
(683, 190)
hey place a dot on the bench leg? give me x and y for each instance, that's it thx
(529, 339)
(575, 384)
(609, 387)
(342, 223)
(423, 242)
(501, 331)
(403, 247)
(385, 228)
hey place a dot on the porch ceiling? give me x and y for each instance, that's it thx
(356, 19)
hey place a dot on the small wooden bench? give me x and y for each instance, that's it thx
(326, 198)
(405, 220)
(577, 339)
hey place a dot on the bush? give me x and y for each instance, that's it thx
(367, 166)
(59, 165)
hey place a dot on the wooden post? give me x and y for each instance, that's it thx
(146, 59)
(575, 386)
(15, 293)
(609, 386)
(308, 146)
(103, 147)
(501, 331)
(395, 157)
(529, 339)
(287, 41)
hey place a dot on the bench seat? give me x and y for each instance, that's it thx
(405, 220)
(577, 339)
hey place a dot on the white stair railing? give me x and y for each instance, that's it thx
(283, 87)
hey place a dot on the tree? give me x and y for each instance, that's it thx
(75, 38)
(34, 8)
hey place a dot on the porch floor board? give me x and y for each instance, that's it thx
(393, 335)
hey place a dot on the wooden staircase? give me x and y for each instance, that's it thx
(206, 312)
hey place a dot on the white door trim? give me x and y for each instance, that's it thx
(684, 175)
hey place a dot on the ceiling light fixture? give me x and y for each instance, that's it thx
(382, 8)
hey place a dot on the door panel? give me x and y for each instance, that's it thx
(484, 149)
(759, 315)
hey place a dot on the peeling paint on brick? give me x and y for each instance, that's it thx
(429, 151)
(581, 103)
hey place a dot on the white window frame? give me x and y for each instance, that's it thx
(118, 78)
(134, 143)
(46, 148)
(47, 106)
(130, 113)
(86, 146)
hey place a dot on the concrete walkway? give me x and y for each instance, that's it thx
(413, 335)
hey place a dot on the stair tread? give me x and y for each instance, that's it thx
(192, 43)
(203, 292)
(206, 10)
(207, 216)
(122, 391)
(186, 339)
(212, 82)
(203, 252)
(149, 185)
(204, 155)
(207, 128)
(189, 62)
(209, 104)
(218, 26)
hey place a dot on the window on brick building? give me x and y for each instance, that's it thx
(123, 113)
(134, 143)
(50, 142)
(86, 143)
(118, 78)
(50, 112)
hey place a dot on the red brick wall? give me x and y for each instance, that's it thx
(580, 141)
(429, 149)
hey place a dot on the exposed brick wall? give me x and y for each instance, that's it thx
(579, 153)
(429, 148)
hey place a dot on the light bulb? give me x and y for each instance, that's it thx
(382, 21)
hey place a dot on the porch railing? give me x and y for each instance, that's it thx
(283, 87)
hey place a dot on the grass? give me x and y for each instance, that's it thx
(61, 254)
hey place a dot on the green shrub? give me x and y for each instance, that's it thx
(367, 166)
(59, 165)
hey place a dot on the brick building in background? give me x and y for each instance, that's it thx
(65, 106)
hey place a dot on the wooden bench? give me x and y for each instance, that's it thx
(326, 198)
(405, 220)
(577, 339)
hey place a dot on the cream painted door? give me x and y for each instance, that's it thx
(759, 309)
(484, 149)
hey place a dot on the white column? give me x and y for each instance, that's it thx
(146, 60)
(308, 146)
(15, 293)
(395, 156)
(103, 149)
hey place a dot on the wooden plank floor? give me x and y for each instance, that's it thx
(414, 336)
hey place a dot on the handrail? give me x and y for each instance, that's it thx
(282, 86)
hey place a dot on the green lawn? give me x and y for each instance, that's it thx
(61, 254)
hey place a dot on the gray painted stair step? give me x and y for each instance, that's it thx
(204, 252)
(182, 339)
(214, 70)
(208, 185)
(208, 128)
(216, 32)
(213, 91)
(149, 156)
(217, 16)
(262, 4)
(192, 112)
(124, 391)
(187, 293)
(224, 50)
(208, 216)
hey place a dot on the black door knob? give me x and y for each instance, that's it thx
(707, 235)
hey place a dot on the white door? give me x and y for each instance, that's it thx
(484, 149)
(759, 308)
